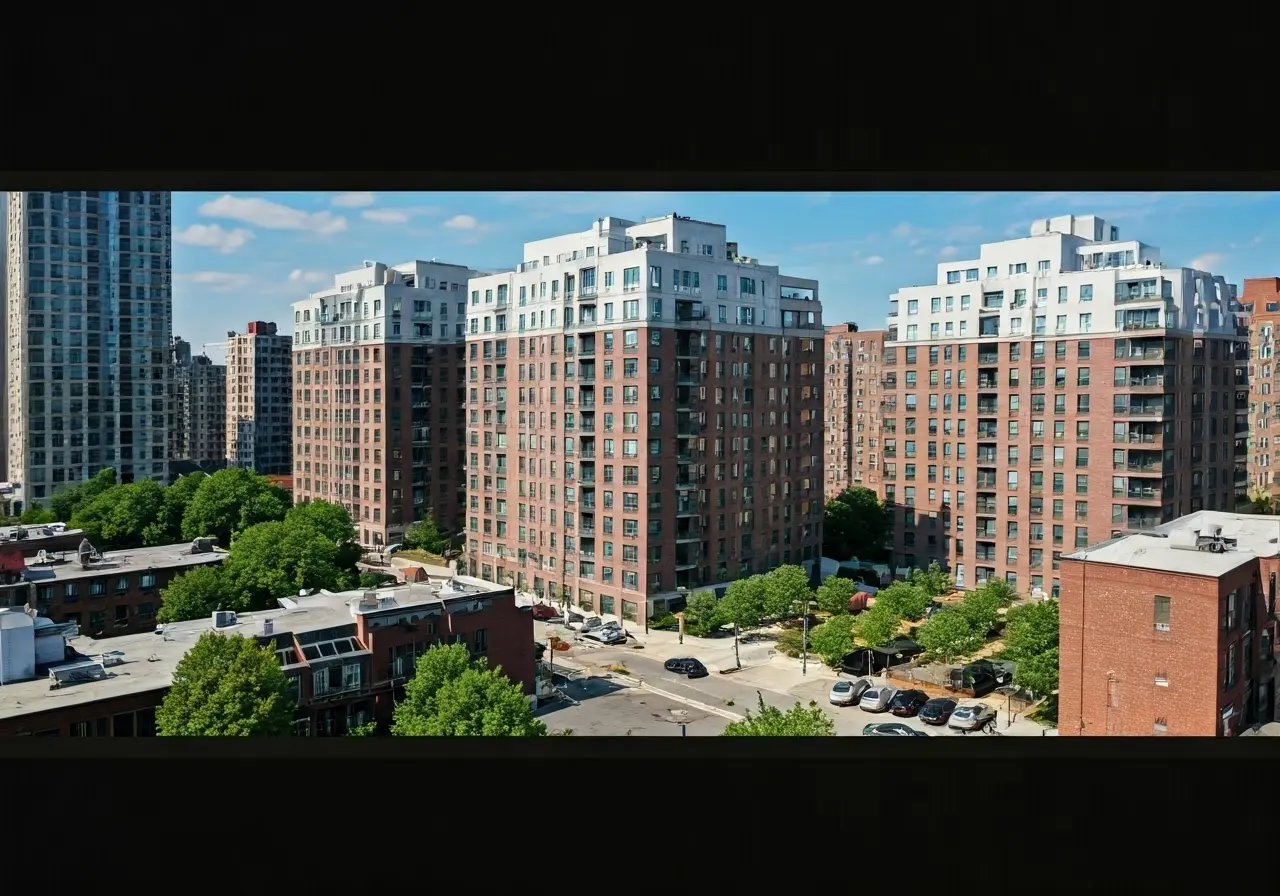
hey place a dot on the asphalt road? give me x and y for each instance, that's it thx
(722, 691)
(606, 709)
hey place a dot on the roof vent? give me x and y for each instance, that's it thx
(223, 619)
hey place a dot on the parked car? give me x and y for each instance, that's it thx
(686, 666)
(545, 611)
(877, 698)
(972, 717)
(606, 636)
(980, 678)
(848, 693)
(390, 549)
(891, 729)
(937, 711)
(586, 624)
(908, 703)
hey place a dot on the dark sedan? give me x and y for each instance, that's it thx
(890, 729)
(908, 703)
(686, 666)
(938, 711)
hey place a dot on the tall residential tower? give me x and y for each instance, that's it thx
(259, 399)
(1055, 391)
(852, 408)
(645, 416)
(88, 323)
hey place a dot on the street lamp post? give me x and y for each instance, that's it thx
(804, 644)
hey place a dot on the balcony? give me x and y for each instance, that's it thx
(1142, 522)
(989, 357)
(1137, 493)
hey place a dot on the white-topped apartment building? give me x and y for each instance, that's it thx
(378, 396)
(644, 410)
(1056, 390)
(88, 323)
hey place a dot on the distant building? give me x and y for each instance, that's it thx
(259, 433)
(200, 431)
(851, 437)
(1262, 426)
(348, 656)
(1172, 631)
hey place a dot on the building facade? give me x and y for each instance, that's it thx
(644, 417)
(89, 318)
(851, 439)
(1056, 390)
(259, 399)
(200, 433)
(348, 657)
(1262, 299)
(379, 424)
(1171, 631)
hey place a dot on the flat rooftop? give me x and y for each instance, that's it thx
(1256, 536)
(150, 659)
(66, 564)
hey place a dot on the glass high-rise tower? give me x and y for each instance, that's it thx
(88, 323)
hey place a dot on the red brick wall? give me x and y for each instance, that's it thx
(62, 718)
(1111, 652)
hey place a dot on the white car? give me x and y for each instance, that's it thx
(972, 717)
(606, 635)
(848, 693)
(590, 623)
(878, 698)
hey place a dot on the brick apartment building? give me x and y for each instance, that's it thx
(379, 392)
(1261, 298)
(852, 411)
(259, 399)
(1058, 390)
(114, 593)
(1160, 634)
(348, 655)
(644, 409)
(201, 432)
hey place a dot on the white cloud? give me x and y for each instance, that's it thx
(353, 200)
(272, 215)
(1207, 262)
(462, 222)
(904, 230)
(947, 252)
(385, 215)
(874, 259)
(212, 236)
(219, 281)
(298, 275)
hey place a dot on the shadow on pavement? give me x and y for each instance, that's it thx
(579, 690)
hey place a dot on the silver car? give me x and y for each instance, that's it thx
(972, 717)
(877, 698)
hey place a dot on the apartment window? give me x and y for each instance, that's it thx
(1162, 604)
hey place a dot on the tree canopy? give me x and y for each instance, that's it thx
(948, 636)
(780, 594)
(906, 600)
(120, 517)
(426, 535)
(702, 614)
(35, 514)
(229, 502)
(450, 695)
(227, 686)
(193, 595)
(877, 626)
(834, 594)
(743, 603)
(1031, 630)
(273, 560)
(855, 524)
(934, 581)
(1039, 674)
(981, 607)
(769, 721)
(66, 502)
(834, 638)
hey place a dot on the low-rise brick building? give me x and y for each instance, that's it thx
(349, 656)
(1171, 631)
(112, 593)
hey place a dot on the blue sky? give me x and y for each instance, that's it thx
(247, 256)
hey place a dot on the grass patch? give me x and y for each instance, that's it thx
(1047, 712)
(619, 668)
(422, 556)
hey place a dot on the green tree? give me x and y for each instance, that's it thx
(877, 626)
(193, 595)
(227, 686)
(451, 695)
(702, 614)
(36, 515)
(934, 581)
(855, 524)
(66, 502)
(273, 560)
(332, 522)
(745, 602)
(948, 636)
(425, 535)
(981, 607)
(1031, 630)
(833, 639)
(168, 529)
(769, 721)
(117, 517)
(906, 600)
(1039, 673)
(368, 729)
(371, 580)
(229, 502)
(786, 592)
(834, 594)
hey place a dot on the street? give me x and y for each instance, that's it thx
(607, 709)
